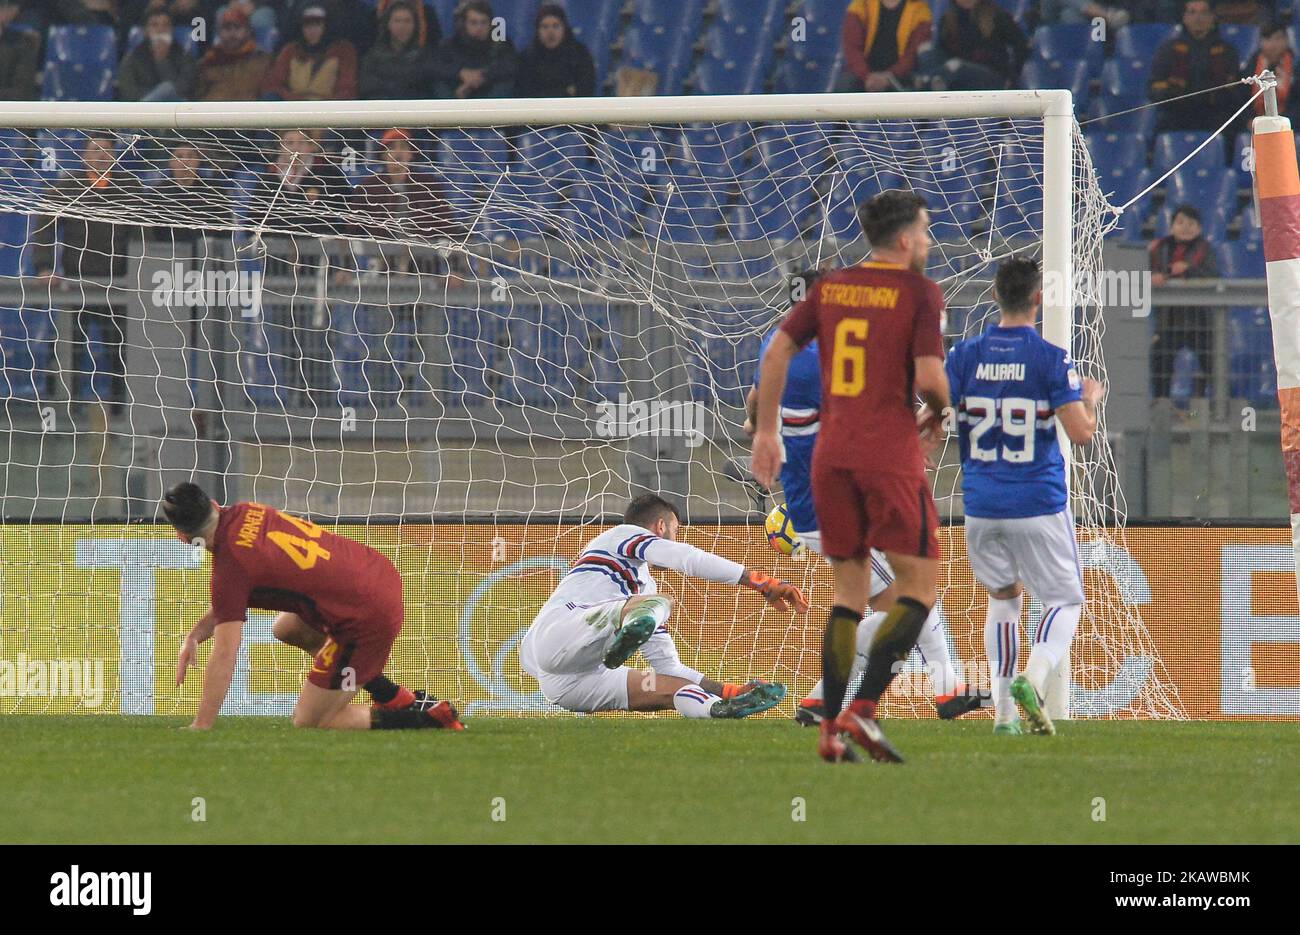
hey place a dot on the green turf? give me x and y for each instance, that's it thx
(117, 779)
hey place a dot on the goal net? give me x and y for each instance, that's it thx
(466, 339)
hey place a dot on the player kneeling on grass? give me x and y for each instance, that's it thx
(606, 608)
(1010, 387)
(340, 602)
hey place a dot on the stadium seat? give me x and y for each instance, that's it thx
(731, 76)
(1063, 42)
(1252, 372)
(559, 153)
(1212, 190)
(1124, 83)
(80, 63)
(1173, 146)
(520, 20)
(812, 75)
(472, 155)
(715, 151)
(595, 25)
(1074, 76)
(1140, 40)
(684, 15)
(690, 215)
(267, 38)
(848, 191)
(1019, 9)
(659, 49)
(791, 150)
(768, 210)
(1245, 38)
(746, 44)
(1107, 114)
(1115, 152)
(1242, 259)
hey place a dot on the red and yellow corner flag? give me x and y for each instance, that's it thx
(1277, 183)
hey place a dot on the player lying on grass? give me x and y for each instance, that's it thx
(877, 326)
(606, 608)
(340, 601)
(800, 415)
(1010, 388)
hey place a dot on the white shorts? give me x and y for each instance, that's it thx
(566, 640)
(882, 575)
(1038, 551)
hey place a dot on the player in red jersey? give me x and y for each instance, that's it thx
(339, 601)
(878, 329)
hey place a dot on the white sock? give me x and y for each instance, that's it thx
(1058, 689)
(867, 628)
(1002, 648)
(933, 646)
(693, 701)
(1051, 642)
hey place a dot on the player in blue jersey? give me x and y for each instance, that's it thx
(800, 418)
(1010, 388)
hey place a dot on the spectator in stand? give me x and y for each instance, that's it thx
(1276, 55)
(184, 187)
(400, 202)
(427, 26)
(979, 48)
(1183, 253)
(881, 40)
(158, 69)
(92, 249)
(1195, 59)
(355, 19)
(471, 63)
(399, 65)
(301, 188)
(317, 66)
(262, 16)
(19, 52)
(1244, 12)
(556, 64)
(235, 68)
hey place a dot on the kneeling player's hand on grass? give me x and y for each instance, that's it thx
(189, 649)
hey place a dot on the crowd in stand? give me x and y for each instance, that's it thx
(332, 50)
(400, 49)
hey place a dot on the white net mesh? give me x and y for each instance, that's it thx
(467, 348)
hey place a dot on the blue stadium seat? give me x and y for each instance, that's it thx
(660, 49)
(466, 156)
(1019, 9)
(80, 63)
(730, 76)
(1125, 186)
(557, 153)
(267, 38)
(1140, 40)
(1252, 373)
(716, 151)
(690, 215)
(684, 15)
(595, 25)
(748, 44)
(1106, 114)
(1064, 42)
(750, 11)
(1112, 151)
(1124, 83)
(1172, 146)
(1245, 38)
(848, 191)
(768, 210)
(1074, 76)
(1242, 259)
(520, 19)
(1212, 190)
(791, 150)
(810, 75)
(594, 212)
(479, 353)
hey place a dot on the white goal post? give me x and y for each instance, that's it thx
(685, 268)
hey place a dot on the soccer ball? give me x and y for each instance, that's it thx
(780, 532)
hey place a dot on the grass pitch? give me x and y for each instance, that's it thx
(662, 780)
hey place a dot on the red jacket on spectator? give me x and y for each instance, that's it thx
(859, 34)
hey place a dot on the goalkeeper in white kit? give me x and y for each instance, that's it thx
(606, 608)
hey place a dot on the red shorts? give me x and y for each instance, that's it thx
(862, 509)
(354, 654)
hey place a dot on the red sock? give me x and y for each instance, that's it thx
(863, 707)
(403, 699)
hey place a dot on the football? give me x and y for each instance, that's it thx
(781, 534)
